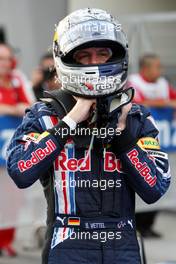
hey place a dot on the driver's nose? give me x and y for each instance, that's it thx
(94, 59)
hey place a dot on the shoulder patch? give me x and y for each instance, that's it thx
(34, 137)
(148, 143)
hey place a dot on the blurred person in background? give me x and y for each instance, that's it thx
(44, 77)
(14, 99)
(151, 90)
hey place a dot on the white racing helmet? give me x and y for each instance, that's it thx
(87, 28)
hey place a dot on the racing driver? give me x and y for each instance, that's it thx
(91, 222)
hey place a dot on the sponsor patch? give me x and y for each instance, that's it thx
(31, 137)
(36, 156)
(148, 143)
(35, 137)
(43, 135)
(63, 163)
(142, 168)
(157, 154)
(111, 163)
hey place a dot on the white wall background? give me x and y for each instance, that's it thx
(30, 26)
(126, 7)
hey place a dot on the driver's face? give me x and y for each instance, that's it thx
(92, 55)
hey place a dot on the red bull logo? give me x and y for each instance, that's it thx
(63, 163)
(143, 168)
(36, 156)
(111, 163)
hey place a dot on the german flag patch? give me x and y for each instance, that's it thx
(74, 221)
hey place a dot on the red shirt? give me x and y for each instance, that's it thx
(14, 94)
(145, 90)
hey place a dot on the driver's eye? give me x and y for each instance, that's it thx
(103, 54)
(81, 56)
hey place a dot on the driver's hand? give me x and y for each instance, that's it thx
(81, 110)
(122, 119)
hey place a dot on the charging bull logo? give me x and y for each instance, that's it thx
(36, 156)
(142, 168)
(89, 86)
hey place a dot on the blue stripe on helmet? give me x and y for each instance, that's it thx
(110, 70)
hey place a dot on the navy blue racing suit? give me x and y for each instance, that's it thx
(90, 197)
